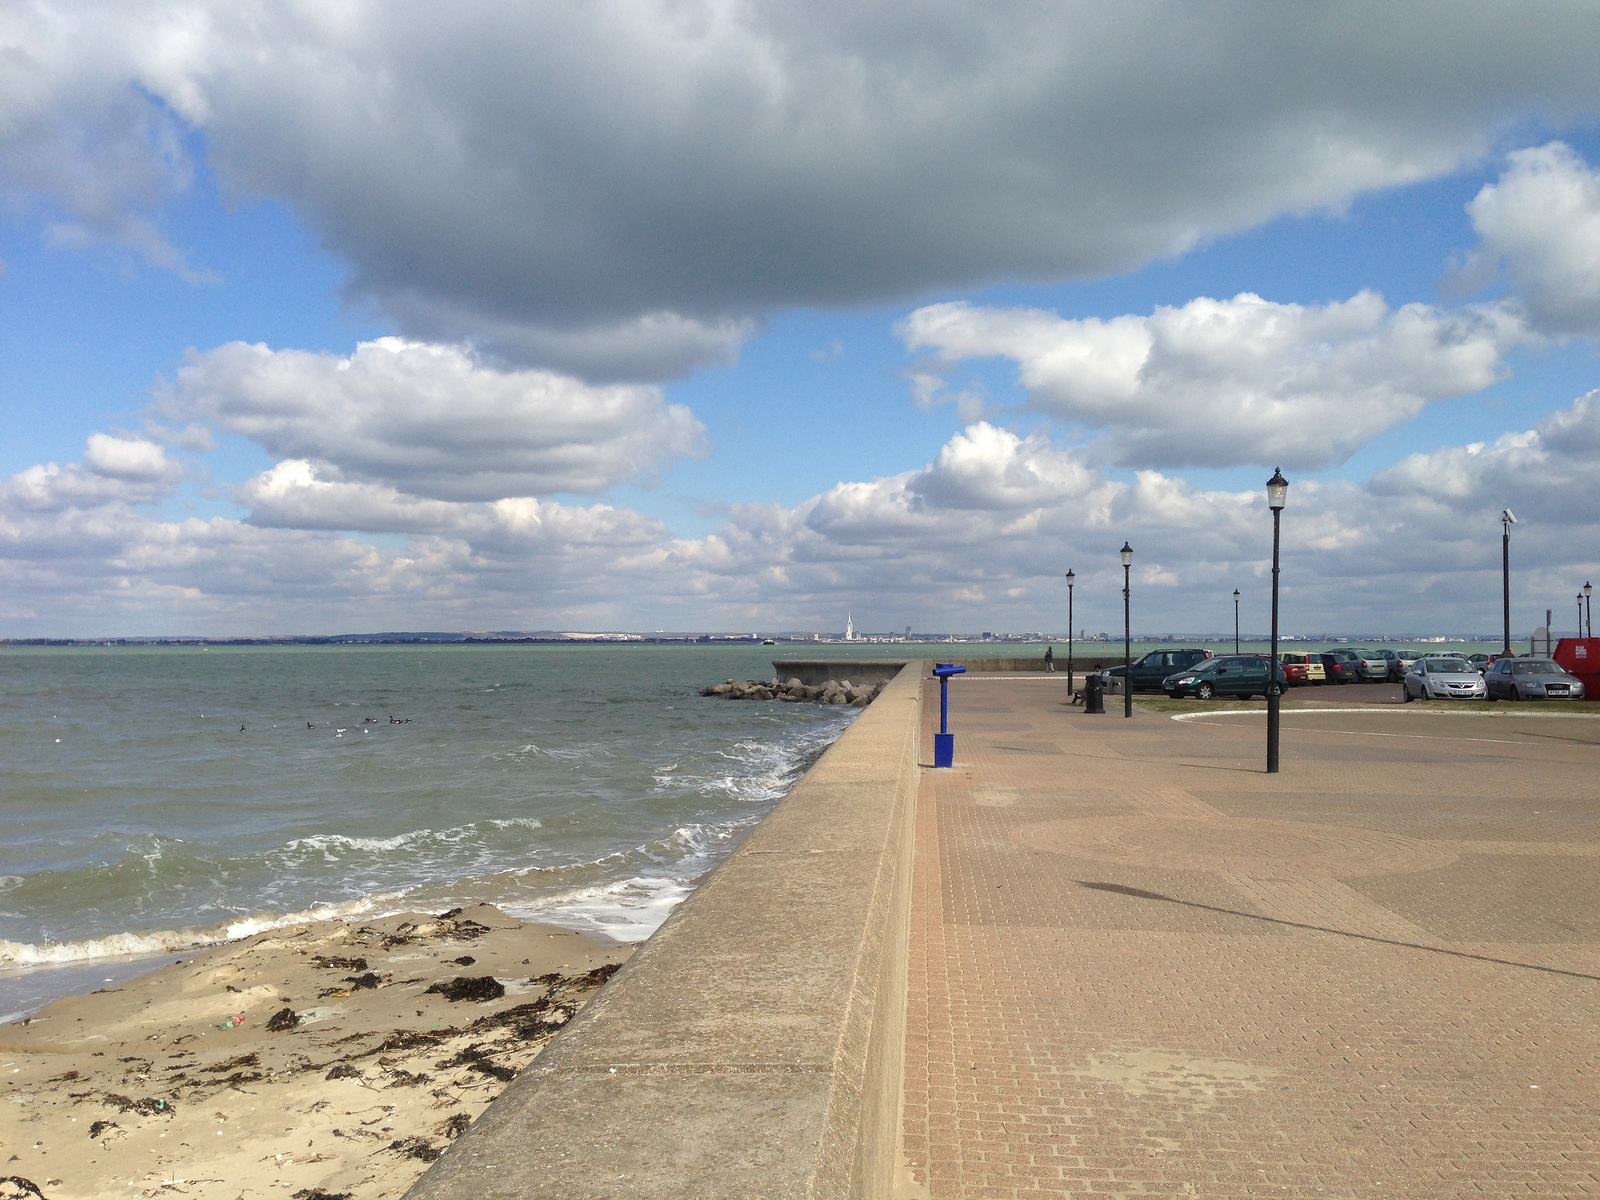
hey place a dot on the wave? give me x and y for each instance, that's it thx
(623, 891)
(164, 941)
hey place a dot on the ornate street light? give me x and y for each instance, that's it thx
(1277, 497)
(1588, 603)
(1507, 520)
(1071, 579)
(1236, 620)
(1127, 635)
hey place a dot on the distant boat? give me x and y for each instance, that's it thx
(768, 642)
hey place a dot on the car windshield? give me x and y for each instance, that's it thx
(1203, 668)
(1446, 666)
(1536, 666)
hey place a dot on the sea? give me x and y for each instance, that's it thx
(155, 800)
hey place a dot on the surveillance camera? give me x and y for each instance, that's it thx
(1509, 517)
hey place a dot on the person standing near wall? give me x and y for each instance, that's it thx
(1050, 658)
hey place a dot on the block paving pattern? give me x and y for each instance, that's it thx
(1140, 966)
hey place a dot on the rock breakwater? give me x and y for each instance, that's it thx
(792, 691)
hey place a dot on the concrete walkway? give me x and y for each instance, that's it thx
(1141, 966)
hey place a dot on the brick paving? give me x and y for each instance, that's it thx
(1140, 966)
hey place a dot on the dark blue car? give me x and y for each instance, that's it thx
(1241, 675)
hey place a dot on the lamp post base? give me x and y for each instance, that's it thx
(944, 749)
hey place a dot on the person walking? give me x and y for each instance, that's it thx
(1050, 658)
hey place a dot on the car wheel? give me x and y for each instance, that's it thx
(1205, 691)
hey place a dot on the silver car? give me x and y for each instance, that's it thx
(1531, 679)
(1444, 677)
(1372, 664)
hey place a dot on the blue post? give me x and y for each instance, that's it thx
(944, 742)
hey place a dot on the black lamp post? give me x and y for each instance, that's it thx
(1236, 620)
(1588, 604)
(1580, 614)
(1277, 497)
(1127, 635)
(1071, 578)
(1507, 520)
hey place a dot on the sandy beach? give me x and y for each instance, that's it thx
(315, 1062)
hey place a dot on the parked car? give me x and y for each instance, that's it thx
(1408, 659)
(1531, 679)
(1373, 665)
(1444, 677)
(1149, 671)
(1480, 662)
(1301, 669)
(1340, 666)
(1241, 675)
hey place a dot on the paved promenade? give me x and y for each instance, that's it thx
(1141, 966)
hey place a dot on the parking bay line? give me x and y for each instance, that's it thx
(1427, 737)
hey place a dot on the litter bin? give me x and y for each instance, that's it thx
(1094, 694)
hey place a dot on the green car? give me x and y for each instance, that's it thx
(1241, 675)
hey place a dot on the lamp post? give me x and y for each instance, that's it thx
(1588, 604)
(1580, 614)
(1277, 497)
(1127, 635)
(1236, 620)
(1071, 579)
(1507, 520)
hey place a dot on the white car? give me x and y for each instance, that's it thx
(1444, 677)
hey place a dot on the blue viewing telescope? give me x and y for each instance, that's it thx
(944, 742)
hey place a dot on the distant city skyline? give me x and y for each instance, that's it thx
(600, 317)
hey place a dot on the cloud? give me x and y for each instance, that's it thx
(618, 189)
(118, 470)
(431, 421)
(977, 538)
(1541, 220)
(77, 129)
(1224, 382)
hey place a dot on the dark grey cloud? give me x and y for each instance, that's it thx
(561, 183)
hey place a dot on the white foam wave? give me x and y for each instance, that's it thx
(163, 941)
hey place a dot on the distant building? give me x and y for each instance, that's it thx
(850, 627)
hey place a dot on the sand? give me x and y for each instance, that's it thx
(313, 1062)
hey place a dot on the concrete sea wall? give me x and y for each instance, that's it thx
(754, 1045)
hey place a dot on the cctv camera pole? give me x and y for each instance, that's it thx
(1505, 577)
(1127, 635)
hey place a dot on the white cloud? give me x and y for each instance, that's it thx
(978, 538)
(1224, 382)
(1541, 219)
(618, 188)
(431, 421)
(119, 470)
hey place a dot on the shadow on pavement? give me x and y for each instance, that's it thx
(1140, 894)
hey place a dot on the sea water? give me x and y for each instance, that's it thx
(158, 799)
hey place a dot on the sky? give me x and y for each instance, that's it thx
(719, 315)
